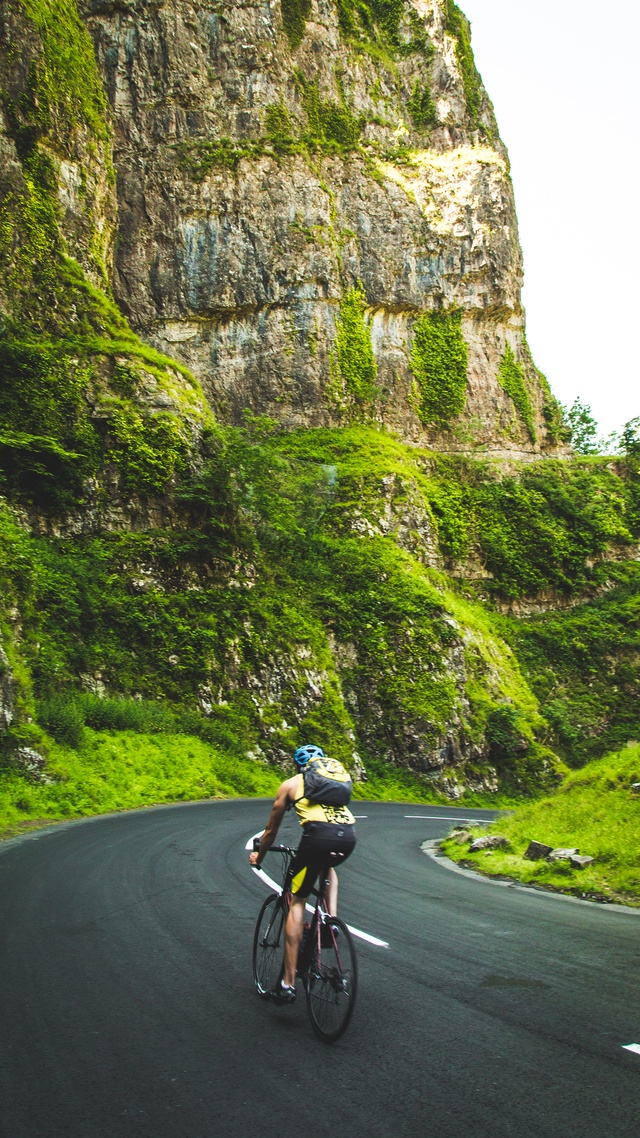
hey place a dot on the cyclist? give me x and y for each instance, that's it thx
(328, 838)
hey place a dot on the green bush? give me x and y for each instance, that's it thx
(63, 719)
(331, 125)
(422, 107)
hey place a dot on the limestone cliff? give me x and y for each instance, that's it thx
(301, 209)
(275, 159)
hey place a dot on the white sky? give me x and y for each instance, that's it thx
(564, 77)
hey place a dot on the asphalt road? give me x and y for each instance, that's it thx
(127, 1006)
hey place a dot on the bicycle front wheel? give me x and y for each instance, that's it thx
(332, 980)
(268, 943)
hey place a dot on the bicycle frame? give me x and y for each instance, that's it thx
(320, 911)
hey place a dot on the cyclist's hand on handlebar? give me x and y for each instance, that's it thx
(253, 858)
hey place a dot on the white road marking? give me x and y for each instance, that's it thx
(276, 889)
(447, 818)
(361, 815)
(631, 1047)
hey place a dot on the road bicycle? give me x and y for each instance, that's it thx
(326, 961)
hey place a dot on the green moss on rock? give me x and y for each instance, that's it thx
(511, 379)
(61, 336)
(380, 27)
(457, 25)
(331, 125)
(422, 107)
(439, 365)
(354, 389)
(295, 14)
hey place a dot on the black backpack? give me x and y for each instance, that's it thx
(326, 781)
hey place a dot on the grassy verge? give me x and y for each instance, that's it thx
(595, 810)
(123, 770)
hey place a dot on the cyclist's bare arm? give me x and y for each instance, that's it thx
(286, 795)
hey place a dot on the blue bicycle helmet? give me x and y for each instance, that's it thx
(304, 754)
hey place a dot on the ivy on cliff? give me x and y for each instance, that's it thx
(582, 664)
(295, 14)
(377, 26)
(457, 25)
(511, 379)
(422, 107)
(439, 365)
(64, 89)
(353, 390)
(331, 125)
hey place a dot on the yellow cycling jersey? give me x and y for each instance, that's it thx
(316, 812)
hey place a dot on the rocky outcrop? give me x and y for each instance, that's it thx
(260, 183)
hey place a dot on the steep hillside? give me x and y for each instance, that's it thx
(309, 209)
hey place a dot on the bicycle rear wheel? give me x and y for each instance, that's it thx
(268, 943)
(331, 982)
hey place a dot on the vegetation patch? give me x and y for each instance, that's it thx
(76, 385)
(295, 14)
(422, 107)
(457, 25)
(65, 89)
(354, 389)
(332, 128)
(583, 665)
(439, 364)
(596, 810)
(331, 125)
(542, 529)
(511, 379)
(281, 131)
(384, 28)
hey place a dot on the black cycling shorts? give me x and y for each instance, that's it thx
(324, 844)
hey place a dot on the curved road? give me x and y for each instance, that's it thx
(127, 1008)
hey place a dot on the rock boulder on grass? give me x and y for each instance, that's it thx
(489, 842)
(562, 854)
(537, 850)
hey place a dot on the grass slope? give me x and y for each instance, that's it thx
(595, 809)
(123, 770)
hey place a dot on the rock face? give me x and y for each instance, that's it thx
(6, 693)
(271, 166)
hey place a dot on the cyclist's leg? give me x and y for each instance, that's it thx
(293, 936)
(331, 893)
(335, 857)
(302, 874)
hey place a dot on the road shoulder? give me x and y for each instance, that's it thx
(431, 849)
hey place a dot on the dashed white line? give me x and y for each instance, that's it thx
(276, 889)
(631, 1047)
(449, 818)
